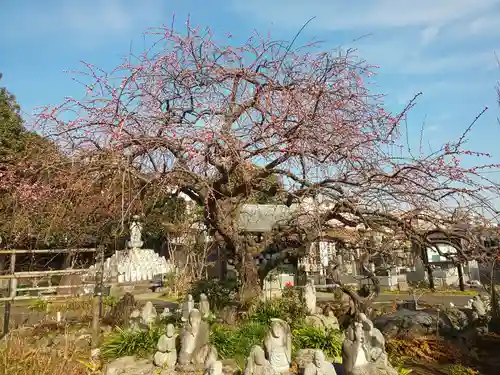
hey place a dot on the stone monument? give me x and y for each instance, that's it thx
(257, 363)
(319, 366)
(278, 345)
(310, 297)
(135, 234)
(166, 356)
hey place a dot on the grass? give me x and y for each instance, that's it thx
(19, 357)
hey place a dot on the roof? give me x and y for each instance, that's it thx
(263, 217)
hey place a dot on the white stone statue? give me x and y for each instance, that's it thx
(478, 308)
(278, 345)
(135, 234)
(319, 366)
(148, 314)
(187, 306)
(204, 305)
(257, 364)
(310, 297)
(166, 356)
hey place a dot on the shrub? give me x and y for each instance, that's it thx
(122, 343)
(236, 342)
(309, 337)
(219, 293)
(289, 307)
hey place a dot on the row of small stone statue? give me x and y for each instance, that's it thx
(363, 350)
(148, 315)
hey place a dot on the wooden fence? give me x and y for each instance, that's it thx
(14, 276)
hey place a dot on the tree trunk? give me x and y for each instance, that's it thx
(249, 276)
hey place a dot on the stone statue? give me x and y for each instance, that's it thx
(166, 356)
(362, 350)
(278, 345)
(187, 306)
(165, 313)
(353, 353)
(310, 297)
(135, 234)
(374, 341)
(148, 314)
(319, 366)
(478, 308)
(257, 364)
(214, 368)
(135, 320)
(204, 305)
(195, 351)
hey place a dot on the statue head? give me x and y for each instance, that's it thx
(259, 356)
(189, 297)
(276, 329)
(358, 331)
(215, 368)
(170, 330)
(203, 297)
(319, 358)
(194, 318)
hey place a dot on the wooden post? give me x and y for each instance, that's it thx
(12, 294)
(97, 302)
(460, 277)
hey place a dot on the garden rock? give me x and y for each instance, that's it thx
(130, 366)
(413, 323)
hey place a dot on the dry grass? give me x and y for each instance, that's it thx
(18, 356)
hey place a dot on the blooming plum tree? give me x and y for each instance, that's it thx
(216, 120)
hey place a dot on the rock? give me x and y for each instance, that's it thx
(83, 341)
(230, 367)
(130, 366)
(412, 323)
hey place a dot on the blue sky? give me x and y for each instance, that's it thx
(443, 48)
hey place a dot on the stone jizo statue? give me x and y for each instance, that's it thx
(278, 345)
(204, 305)
(148, 314)
(166, 356)
(135, 234)
(257, 363)
(187, 306)
(310, 297)
(374, 341)
(319, 366)
(195, 350)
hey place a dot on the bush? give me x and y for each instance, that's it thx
(237, 342)
(289, 307)
(122, 343)
(309, 337)
(219, 293)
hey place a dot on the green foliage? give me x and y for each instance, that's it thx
(11, 123)
(122, 343)
(39, 305)
(219, 293)
(236, 342)
(289, 307)
(458, 369)
(309, 337)
(110, 301)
